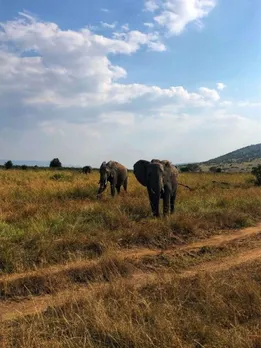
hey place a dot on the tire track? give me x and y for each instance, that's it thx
(39, 304)
(132, 254)
(36, 304)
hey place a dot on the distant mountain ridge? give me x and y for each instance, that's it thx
(245, 154)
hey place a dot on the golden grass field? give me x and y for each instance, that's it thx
(78, 272)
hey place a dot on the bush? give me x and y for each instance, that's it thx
(8, 165)
(55, 163)
(24, 167)
(257, 172)
(192, 168)
(215, 169)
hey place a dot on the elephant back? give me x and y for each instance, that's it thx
(169, 166)
(118, 167)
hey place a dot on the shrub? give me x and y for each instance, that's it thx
(192, 167)
(215, 169)
(256, 171)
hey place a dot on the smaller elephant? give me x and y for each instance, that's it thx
(116, 174)
(87, 169)
(161, 180)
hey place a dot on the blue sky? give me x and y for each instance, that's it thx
(88, 81)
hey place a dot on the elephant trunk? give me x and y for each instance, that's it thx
(103, 185)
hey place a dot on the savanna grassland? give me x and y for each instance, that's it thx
(80, 272)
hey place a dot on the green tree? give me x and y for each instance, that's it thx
(55, 163)
(8, 164)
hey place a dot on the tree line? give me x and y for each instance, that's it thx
(54, 163)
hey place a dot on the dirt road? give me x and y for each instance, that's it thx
(10, 310)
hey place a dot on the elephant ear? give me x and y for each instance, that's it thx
(103, 165)
(140, 171)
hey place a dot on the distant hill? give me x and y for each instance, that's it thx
(245, 154)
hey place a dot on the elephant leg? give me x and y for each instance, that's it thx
(118, 188)
(112, 190)
(125, 184)
(166, 200)
(172, 201)
(154, 203)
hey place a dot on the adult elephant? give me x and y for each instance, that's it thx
(161, 180)
(87, 169)
(114, 173)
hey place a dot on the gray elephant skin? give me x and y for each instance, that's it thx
(87, 169)
(161, 180)
(114, 173)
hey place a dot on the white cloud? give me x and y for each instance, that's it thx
(71, 103)
(175, 15)
(125, 27)
(118, 118)
(104, 10)
(249, 104)
(149, 25)
(109, 25)
(226, 103)
(220, 86)
(208, 93)
(151, 5)
(157, 46)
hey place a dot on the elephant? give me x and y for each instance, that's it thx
(116, 174)
(87, 169)
(161, 180)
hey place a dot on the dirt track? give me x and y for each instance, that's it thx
(10, 310)
(215, 241)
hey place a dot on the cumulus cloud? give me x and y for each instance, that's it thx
(220, 86)
(208, 93)
(175, 15)
(81, 75)
(118, 118)
(151, 5)
(61, 91)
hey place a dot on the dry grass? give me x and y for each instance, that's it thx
(220, 311)
(49, 220)
(46, 221)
